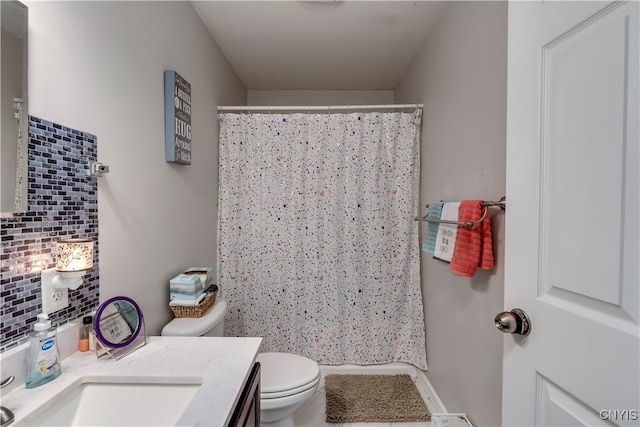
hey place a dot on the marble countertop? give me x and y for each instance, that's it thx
(221, 365)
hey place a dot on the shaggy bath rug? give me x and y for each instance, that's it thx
(373, 398)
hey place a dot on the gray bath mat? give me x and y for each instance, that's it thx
(373, 398)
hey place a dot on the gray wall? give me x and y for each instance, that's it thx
(98, 67)
(460, 76)
(319, 97)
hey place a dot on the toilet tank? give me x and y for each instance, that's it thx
(211, 324)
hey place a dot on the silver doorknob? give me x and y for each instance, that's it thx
(515, 321)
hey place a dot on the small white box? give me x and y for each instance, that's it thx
(186, 283)
(205, 274)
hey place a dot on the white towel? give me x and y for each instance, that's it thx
(188, 302)
(446, 237)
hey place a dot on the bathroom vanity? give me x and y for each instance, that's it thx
(247, 410)
(183, 381)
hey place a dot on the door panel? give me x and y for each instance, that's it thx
(557, 407)
(584, 116)
(572, 228)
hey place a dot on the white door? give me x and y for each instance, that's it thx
(572, 224)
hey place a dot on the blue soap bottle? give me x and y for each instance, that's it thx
(43, 359)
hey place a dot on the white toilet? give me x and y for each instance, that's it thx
(286, 380)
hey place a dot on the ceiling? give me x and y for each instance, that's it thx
(304, 45)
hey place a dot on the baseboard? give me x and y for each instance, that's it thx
(429, 393)
(393, 368)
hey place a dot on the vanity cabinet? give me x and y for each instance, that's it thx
(247, 410)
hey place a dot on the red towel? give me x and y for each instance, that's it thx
(486, 256)
(473, 246)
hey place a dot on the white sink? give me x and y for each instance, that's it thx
(114, 403)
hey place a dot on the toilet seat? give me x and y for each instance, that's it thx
(285, 374)
(290, 392)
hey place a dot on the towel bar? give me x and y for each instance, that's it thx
(501, 203)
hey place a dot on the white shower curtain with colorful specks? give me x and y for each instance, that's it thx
(318, 248)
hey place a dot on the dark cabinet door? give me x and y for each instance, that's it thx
(247, 411)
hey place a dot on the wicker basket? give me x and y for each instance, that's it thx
(196, 310)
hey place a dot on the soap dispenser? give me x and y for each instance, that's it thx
(43, 360)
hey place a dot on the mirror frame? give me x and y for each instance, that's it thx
(21, 187)
(97, 319)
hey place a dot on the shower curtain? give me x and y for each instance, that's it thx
(318, 248)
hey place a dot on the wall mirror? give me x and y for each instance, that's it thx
(13, 108)
(119, 327)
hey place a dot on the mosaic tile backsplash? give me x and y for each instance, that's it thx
(62, 203)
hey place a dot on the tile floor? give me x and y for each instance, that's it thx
(312, 413)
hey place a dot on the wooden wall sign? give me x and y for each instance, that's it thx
(177, 107)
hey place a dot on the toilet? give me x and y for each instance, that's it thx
(286, 380)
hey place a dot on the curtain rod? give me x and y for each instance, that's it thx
(315, 107)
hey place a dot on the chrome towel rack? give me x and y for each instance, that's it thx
(500, 203)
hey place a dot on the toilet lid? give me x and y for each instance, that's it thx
(283, 374)
(196, 326)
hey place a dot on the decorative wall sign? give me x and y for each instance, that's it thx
(177, 107)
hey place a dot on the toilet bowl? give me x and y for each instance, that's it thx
(286, 380)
